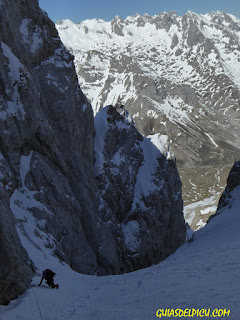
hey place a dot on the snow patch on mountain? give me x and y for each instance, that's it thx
(145, 178)
(101, 128)
(174, 109)
(211, 139)
(131, 230)
(34, 39)
(22, 204)
(206, 207)
(18, 75)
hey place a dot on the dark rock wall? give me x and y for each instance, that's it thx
(51, 201)
(140, 192)
(44, 118)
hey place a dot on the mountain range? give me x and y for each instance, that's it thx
(177, 76)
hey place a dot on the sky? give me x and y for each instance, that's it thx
(79, 10)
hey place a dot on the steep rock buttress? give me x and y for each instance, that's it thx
(140, 194)
(47, 185)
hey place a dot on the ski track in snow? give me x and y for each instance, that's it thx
(200, 274)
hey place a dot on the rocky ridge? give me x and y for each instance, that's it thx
(178, 76)
(140, 192)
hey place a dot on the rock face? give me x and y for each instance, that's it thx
(16, 269)
(46, 150)
(233, 181)
(140, 192)
(178, 76)
(113, 211)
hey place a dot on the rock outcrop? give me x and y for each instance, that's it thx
(233, 181)
(46, 150)
(140, 192)
(59, 199)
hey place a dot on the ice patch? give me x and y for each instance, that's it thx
(211, 139)
(145, 178)
(30, 229)
(84, 107)
(24, 29)
(131, 230)
(118, 158)
(17, 70)
(204, 206)
(33, 39)
(162, 143)
(209, 210)
(101, 128)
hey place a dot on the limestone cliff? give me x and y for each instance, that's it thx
(47, 185)
(140, 192)
(233, 182)
(61, 198)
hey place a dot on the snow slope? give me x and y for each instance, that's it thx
(201, 274)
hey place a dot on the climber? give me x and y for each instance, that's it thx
(48, 276)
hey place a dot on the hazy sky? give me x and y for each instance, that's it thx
(78, 10)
